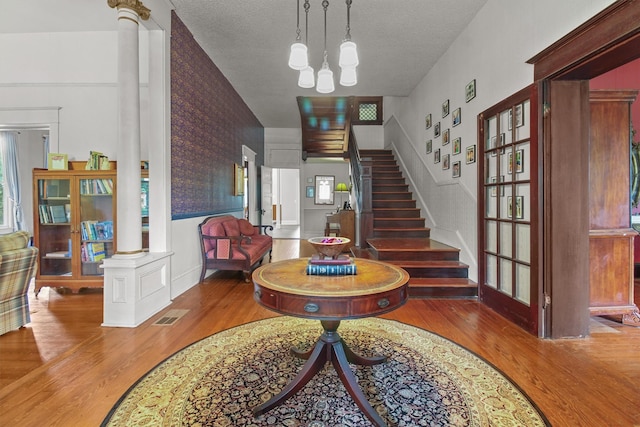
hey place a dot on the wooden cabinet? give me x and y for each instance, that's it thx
(611, 236)
(74, 226)
(346, 225)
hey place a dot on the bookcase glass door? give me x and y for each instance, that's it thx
(508, 176)
(54, 213)
(96, 224)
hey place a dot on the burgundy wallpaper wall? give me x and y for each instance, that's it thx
(209, 125)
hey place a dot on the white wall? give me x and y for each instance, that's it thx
(493, 50)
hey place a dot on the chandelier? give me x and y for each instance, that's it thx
(299, 59)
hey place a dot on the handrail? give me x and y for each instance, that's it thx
(361, 181)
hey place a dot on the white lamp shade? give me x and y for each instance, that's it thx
(307, 78)
(348, 76)
(298, 59)
(348, 54)
(325, 80)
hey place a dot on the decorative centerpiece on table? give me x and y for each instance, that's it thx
(330, 261)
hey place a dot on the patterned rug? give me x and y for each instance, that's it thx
(427, 381)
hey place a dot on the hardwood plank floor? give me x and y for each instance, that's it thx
(64, 369)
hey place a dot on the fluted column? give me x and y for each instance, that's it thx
(129, 226)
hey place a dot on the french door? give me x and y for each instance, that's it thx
(507, 209)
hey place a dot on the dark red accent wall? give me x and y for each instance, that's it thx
(209, 125)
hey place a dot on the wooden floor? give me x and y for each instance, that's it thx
(64, 369)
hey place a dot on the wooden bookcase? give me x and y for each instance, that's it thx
(75, 224)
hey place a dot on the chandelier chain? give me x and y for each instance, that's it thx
(348, 36)
(307, 6)
(298, 38)
(325, 5)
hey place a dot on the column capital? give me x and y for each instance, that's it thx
(135, 5)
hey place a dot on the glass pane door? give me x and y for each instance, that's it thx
(508, 174)
(96, 224)
(54, 227)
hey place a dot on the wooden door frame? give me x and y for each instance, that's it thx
(606, 41)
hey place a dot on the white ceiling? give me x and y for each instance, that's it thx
(398, 41)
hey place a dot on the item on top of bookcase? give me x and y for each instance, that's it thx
(331, 270)
(329, 246)
(57, 161)
(317, 259)
(97, 161)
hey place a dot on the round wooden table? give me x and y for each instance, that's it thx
(284, 287)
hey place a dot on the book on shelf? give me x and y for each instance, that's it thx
(322, 260)
(58, 213)
(93, 251)
(331, 270)
(57, 254)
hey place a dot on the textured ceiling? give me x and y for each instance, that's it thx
(398, 41)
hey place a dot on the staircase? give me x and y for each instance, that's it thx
(401, 238)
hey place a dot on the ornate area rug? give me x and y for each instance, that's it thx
(427, 381)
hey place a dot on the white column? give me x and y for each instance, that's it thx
(129, 226)
(136, 283)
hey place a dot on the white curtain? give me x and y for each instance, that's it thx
(45, 148)
(10, 163)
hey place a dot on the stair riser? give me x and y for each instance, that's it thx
(399, 180)
(442, 292)
(416, 255)
(396, 213)
(424, 271)
(390, 196)
(395, 188)
(397, 204)
(398, 223)
(401, 233)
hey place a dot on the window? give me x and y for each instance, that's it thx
(367, 111)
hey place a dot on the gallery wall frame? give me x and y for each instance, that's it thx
(470, 91)
(324, 189)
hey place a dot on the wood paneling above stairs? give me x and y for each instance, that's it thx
(400, 236)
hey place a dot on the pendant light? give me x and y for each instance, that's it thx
(298, 58)
(307, 77)
(348, 49)
(325, 75)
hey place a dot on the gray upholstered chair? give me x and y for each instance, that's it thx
(18, 264)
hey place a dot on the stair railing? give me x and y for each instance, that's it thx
(361, 175)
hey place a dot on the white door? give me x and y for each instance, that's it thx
(266, 183)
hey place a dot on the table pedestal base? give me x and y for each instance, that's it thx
(329, 348)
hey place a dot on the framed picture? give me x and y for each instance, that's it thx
(510, 163)
(445, 108)
(445, 137)
(519, 207)
(323, 192)
(427, 121)
(456, 116)
(457, 146)
(456, 169)
(470, 91)
(436, 156)
(436, 130)
(57, 161)
(310, 192)
(429, 146)
(494, 188)
(471, 154)
(510, 207)
(519, 161)
(446, 162)
(519, 119)
(238, 180)
(493, 145)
